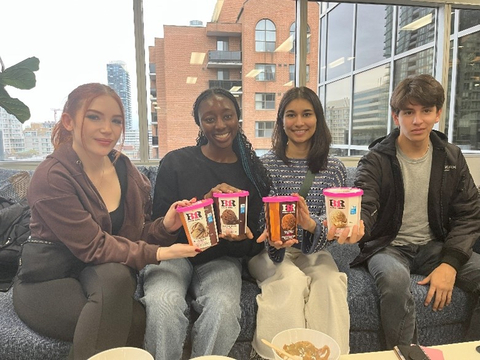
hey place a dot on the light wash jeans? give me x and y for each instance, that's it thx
(215, 289)
(391, 268)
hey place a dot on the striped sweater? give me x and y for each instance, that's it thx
(288, 179)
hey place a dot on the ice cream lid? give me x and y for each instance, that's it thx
(280, 198)
(196, 205)
(229, 195)
(343, 192)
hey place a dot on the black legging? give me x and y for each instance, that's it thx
(97, 312)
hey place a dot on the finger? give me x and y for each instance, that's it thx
(449, 298)
(249, 233)
(263, 236)
(430, 294)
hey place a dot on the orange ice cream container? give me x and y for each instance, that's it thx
(343, 205)
(199, 223)
(281, 217)
(231, 212)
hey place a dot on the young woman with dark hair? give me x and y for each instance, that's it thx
(299, 278)
(222, 161)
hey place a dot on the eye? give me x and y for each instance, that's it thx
(307, 114)
(228, 117)
(117, 121)
(290, 115)
(209, 120)
(92, 116)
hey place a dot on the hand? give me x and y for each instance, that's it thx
(358, 231)
(303, 215)
(171, 220)
(441, 282)
(221, 188)
(276, 244)
(230, 237)
(177, 251)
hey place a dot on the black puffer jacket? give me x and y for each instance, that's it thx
(453, 201)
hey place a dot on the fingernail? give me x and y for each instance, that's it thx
(198, 250)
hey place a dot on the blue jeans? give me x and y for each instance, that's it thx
(391, 268)
(215, 289)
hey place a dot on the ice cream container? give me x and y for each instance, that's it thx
(231, 210)
(199, 223)
(281, 217)
(343, 205)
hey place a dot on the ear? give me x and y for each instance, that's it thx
(67, 122)
(439, 113)
(395, 119)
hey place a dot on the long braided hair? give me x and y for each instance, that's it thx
(251, 164)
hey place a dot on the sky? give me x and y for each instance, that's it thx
(75, 39)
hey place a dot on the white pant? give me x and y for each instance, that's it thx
(303, 291)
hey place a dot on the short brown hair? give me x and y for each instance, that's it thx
(418, 90)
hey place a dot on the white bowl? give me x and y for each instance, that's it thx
(317, 338)
(123, 353)
(213, 357)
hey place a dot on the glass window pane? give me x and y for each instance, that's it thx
(416, 27)
(466, 124)
(339, 40)
(374, 34)
(370, 105)
(337, 110)
(469, 18)
(419, 63)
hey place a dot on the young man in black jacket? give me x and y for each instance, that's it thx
(421, 211)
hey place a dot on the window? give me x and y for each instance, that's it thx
(222, 43)
(291, 72)
(265, 101)
(223, 74)
(267, 72)
(264, 129)
(265, 36)
(293, 38)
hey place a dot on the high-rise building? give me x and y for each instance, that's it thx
(247, 48)
(119, 80)
(12, 135)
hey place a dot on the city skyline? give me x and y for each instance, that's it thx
(75, 40)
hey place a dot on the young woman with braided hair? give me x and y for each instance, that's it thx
(222, 161)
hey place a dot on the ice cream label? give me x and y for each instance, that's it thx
(343, 206)
(199, 223)
(281, 217)
(231, 210)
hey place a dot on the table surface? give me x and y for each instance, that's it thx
(458, 351)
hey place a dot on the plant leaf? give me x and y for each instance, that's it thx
(32, 64)
(15, 107)
(21, 78)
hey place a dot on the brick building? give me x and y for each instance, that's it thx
(247, 49)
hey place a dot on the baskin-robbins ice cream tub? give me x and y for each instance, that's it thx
(231, 210)
(281, 217)
(343, 205)
(199, 223)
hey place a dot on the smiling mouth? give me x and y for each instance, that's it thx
(104, 141)
(222, 136)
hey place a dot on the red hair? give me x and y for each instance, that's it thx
(80, 100)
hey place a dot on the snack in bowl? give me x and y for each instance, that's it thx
(305, 339)
(307, 350)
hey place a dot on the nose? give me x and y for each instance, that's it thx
(417, 118)
(219, 123)
(106, 127)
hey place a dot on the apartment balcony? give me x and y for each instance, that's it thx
(234, 86)
(215, 29)
(224, 59)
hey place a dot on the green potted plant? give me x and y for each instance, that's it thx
(20, 76)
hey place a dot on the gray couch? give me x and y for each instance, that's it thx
(18, 342)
